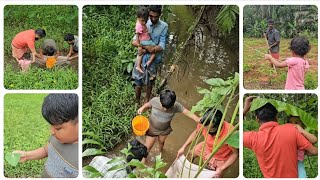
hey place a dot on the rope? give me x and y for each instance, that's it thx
(254, 49)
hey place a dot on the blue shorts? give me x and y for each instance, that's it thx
(147, 43)
(301, 170)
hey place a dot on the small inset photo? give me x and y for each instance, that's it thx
(41, 46)
(280, 136)
(41, 135)
(280, 47)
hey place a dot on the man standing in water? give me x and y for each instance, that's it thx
(158, 33)
(273, 37)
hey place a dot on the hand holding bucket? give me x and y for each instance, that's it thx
(140, 125)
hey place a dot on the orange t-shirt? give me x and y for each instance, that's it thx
(276, 147)
(24, 39)
(225, 150)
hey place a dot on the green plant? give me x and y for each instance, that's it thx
(24, 129)
(227, 18)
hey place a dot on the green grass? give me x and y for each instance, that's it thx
(36, 78)
(24, 129)
(108, 96)
(56, 21)
(256, 68)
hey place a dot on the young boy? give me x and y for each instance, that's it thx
(61, 111)
(163, 109)
(73, 41)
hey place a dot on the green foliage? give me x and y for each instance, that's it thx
(24, 129)
(57, 21)
(92, 172)
(12, 158)
(93, 152)
(218, 89)
(36, 78)
(289, 20)
(108, 98)
(234, 140)
(144, 171)
(227, 18)
(306, 118)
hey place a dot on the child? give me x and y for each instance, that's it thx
(61, 111)
(310, 137)
(73, 42)
(163, 109)
(143, 36)
(297, 65)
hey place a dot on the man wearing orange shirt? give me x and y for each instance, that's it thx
(25, 40)
(276, 146)
(226, 155)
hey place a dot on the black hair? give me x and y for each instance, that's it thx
(60, 108)
(49, 51)
(69, 37)
(270, 21)
(167, 98)
(300, 46)
(41, 32)
(138, 150)
(266, 113)
(211, 116)
(156, 8)
(143, 12)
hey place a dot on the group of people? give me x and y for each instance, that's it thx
(297, 64)
(49, 55)
(279, 149)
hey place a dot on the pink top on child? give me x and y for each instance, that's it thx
(142, 31)
(296, 69)
(300, 155)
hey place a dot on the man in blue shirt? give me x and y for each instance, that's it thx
(158, 32)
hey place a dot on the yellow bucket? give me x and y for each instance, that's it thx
(140, 125)
(51, 61)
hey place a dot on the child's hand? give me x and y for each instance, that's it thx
(148, 63)
(23, 154)
(299, 128)
(140, 110)
(267, 57)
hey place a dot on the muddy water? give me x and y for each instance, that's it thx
(204, 57)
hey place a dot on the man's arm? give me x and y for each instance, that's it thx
(191, 115)
(233, 157)
(70, 50)
(189, 140)
(311, 151)
(34, 55)
(247, 104)
(162, 42)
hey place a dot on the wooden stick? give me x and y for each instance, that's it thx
(274, 67)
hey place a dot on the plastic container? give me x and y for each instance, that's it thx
(140, 125)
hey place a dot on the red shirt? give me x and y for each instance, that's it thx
(225, 150)
(24, 39)
(276, 147)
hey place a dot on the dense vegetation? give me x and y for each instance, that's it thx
(21, 18)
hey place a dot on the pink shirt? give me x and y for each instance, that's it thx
(142, 32)
(296, 69)
(300, 155)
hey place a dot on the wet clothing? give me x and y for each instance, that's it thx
(276, 148)
(101, 164)
(142, 32)
(273, 36)
(158, 34)
(49, 42)
(62, 160)
(160, 120)
(296, 69)
(24, 39)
